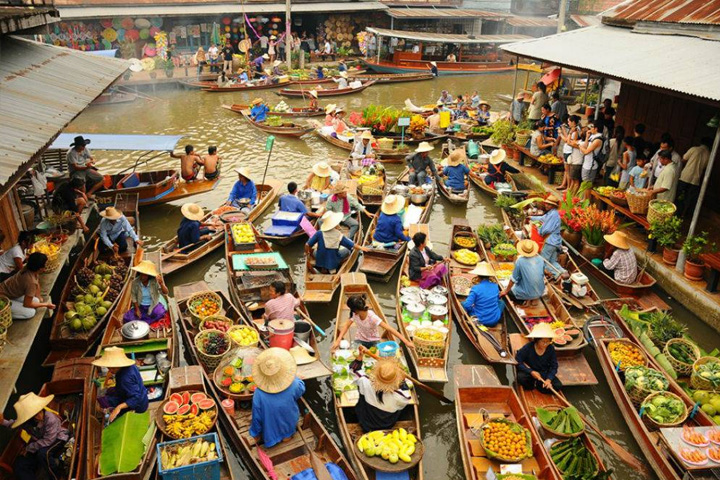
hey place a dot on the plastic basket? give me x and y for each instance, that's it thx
(387, 349)
(220, 318)
(209, 470)
(638, 203)
(210, 361)
(682, 369)
(428, 348)
(654, 215)
(196, 317)
(242, 327)
(653, 425)
(5, 313)
(698, 382)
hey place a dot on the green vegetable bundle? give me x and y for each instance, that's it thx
(642, 381)
(492, 234)
(574, 460)
(665, 409)
(640, 324)
(663, 327)
(563, 422)
(505, 250)
(274, 121)
(709, 370)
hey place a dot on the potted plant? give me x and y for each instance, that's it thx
(667, 233)
(595, 224)
(693, 247)
(569, 208)
(504, 135)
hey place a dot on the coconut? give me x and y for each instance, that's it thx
(101, 311)
(76, 324)
(88, 322)
(70, 314)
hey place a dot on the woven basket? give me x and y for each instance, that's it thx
(682, 369)
(428, 348)
(698, 382)
(242, 327)
(3, 337)
(216, 318)
(467, 235)
(638, 204)
(618, 201)
(210, 362)
(638, 394)
(653, 425)
(53, 261)
(196, 318)
(493, 455)
(556, 408)
(5, 313)
(623, 340)
(654, 215)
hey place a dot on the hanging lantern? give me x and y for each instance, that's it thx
(226, 20)
(276, 20)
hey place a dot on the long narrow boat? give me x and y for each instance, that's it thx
(324, 92)
(114, 97)
(70, 385)
(394, 155)
(444, 68)
(172, 261)
(242, 87)
(381, 78)
(491, 342)
(451, 195)
(197, 84)
(478, 390)
(292, 130)
(350, 430)
(479, 182)
(381, 263)
(293, 112)
(288, 458)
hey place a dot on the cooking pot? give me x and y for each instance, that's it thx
(401, 190)
(305, 194)
(135, 330)
(410, 298)
(418, 198)
(415, 309)
(440, 290)
(438, 312)
(435, 299)
(315, 199)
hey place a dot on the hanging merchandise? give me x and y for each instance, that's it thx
(144, 34)
(194, 30)
(148, 64)
(121, 34)
(132, 35)
(227, 29)
(142, 23)
(127, 23)
(114, 23)
(226, 20)
(172, 38)
(161, 44)
(107, 22)
(109, 34)
(157, 21)
(265, 20)
(215, 35)
(154, 31)
(106, 43)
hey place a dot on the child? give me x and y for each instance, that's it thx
(639, 174)
(368, 325)
(627, 161)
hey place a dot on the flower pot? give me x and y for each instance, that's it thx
(694, 271)
(589, 111)
(670, 255)
(153, 74)
(169, 72)
(572, 238)
(591, 251)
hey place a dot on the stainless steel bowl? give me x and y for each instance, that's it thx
(418, 198)
(401, 190)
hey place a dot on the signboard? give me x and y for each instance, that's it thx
(403, 122)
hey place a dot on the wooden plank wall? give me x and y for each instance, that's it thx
(9, 222)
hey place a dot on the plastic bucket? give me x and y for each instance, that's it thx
(302, 330)
(281, 333)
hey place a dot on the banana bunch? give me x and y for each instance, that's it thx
(394, 446)
(49, 249)
(185, 426)
(174, 456)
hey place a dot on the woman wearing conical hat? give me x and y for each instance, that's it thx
(537, 361)
(332, 246)
(148, 295)
(129, 393)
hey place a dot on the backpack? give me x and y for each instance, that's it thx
(600, 155)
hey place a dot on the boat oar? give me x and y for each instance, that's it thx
(180, 250)
(319, 468)
(623, 454)
(430, 390)
(309, 320)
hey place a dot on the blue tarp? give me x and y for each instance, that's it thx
(119, 142)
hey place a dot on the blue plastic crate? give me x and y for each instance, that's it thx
(206, 470)
(287, 219)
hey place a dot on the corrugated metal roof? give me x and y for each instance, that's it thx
(704, 12)
(518, 21)
(409, 13)
(42, 88)
(586, 20)
(446, 37)
(672, 62)
(111, 141)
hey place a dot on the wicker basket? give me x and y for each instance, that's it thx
(3, 337)
(428, 348)
(242, 327)
(637, 203)
(655, 216)
(698, 382)
(196, 318)
(682, 369)
(217, 318)
(638, 394)
(467, 235)
(556, 408)
(618, 200)
(210, 362)
(653, 425)
(493, 455)
(5, 313)
(53, 261)
(631, 344)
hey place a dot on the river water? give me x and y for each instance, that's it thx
(198, 116)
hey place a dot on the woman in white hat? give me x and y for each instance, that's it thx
(484, 303)
(621, 262)
(244, 193)
(271, 50)
(483, 113)
(114, 231)
(330, 114)
(537, 361)
(332, 246)
(419, 162)
(389, 229)
(320, 177)
(363, 153)
(339, 125)
(191, 233)
(47, 433)
(275, 411)
(342, 80)
(498, 168)
(148, 295)
(456, 171)
(527, 282)
(129, 393)
(313, 100)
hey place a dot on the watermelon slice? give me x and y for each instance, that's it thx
(194, 409)
(560, 341)
(197, 397)
(567, 338)
(183, 410)
(186, 398)
(559, 332)
(574, 332)
(206, 404)
(177, 398)
(170, 408)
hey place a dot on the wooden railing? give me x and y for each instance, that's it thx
(26, 3)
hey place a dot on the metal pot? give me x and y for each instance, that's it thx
(415, 309)
(435, 299)
(305, 194)
(439, 290)
(401, 190)
(438, 312)
(418, 198)
(135, 330)
(315, 199)
(410, 298)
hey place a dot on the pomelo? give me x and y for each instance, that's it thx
(709, 409)
(75, 324)
(716, 419)
(170, 408)
(701, 396)
(715, 402)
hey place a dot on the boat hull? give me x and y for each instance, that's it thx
(444, 68)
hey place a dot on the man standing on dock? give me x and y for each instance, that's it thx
(82, 165)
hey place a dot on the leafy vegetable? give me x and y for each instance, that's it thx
(504, 250)
(664, 409)
(645, 378)
(565, 421)
(492, 234)
(505, 202)
(121, 451)
(664, 327)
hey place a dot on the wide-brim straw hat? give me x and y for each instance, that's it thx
(111, 213)
(520, 94)
(339, 110)
(617, 239)
(313, 93)
(456, 157)
(434, 64)
(552, 201)
(321, 169)
(392, 204)
(366, 135)
(386, 375)
(343, 74)
(483, 269)
(497, 156)
(274, 370)
(301, 356)
(330, 108)
(28, 406)
(114, 357)
(147, 267)
(266, 56)
(273, 37)
(244, 171)
(277, 63)
(424, 147)
(541, 330)
(331, 220)
(192, 211)
(483, 102)
(257, 101)
(527, 248)
(339, 187)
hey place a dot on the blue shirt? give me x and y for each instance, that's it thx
(638, 181)
(243, 191)
(546, 366)
(328, 258)
(188, 233)
(320, 73)
(146, 297)
(129, 388)
(291, 203)
(389, 229)
(259, 112)
(484, 303)
(550, 227)
(110, 231)
(243, 77)
(275, 415)
(529, 278)
(456, 176)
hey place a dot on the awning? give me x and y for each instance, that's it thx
(42, 89)
(682, 64)
(586, 20)
(446, 37)
(145, 143)
(419, 13)
(532, 22)
(200, 9)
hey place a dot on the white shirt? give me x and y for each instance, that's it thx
(213, 52)
(361, 151)
(416, 49)
(328, 48)
(589, 158)
(7, 262)
(342, 82)
(263, 41)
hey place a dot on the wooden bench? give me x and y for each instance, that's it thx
(712, 260)
(551, 169)
(640, 219)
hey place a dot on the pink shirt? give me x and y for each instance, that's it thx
(281, 307)
(367, 330)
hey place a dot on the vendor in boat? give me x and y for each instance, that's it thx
(320, 177)
(434, 121)
(445, 98)
(23, 289)
(190, 163)
(313, 100)
(330, 114)
(258, 63)
(114, 231)
(498, 168)
(71, 196)
(384, 394)
(282, 304)
(81, 164)
(389, 230)
(222, 80)
(434, 69)
(483, 113)
(290, 202)
(339, 125)
(483, 303)
(259, 110)
(550, 226)
(191, 233)
(13, 259)
(419, 162)
(342, 80)
(527, 282)
(621, 262)
(363, 150)
(537, 361)
(276, 68)
(369, 327)
(244, 193)
(426, 267)
(320, 73)
(456, 171)
(129, 393)
(342, 66)
(275, 410)
(340, 201)
(332, 246)
(242, 77)
(147, 294)
(48, 435)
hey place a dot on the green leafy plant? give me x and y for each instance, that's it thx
(664, 327)
(492, 234)
(695, 245)
(505, 202)
(121, 451)
(505, 250)
(504, 132)
(344, 51)
(666, 232)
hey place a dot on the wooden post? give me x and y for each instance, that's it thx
(288, 36)
(517, 62)
(379, 47)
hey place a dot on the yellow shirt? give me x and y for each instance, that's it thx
(697, 159)
(666, 179)
(319, 183)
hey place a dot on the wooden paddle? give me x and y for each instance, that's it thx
(319, 468)
(623, 454)
(180, 250)
(430, 390)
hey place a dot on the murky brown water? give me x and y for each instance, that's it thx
(198, 116)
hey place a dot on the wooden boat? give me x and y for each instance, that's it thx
(284, 241)
(371, 197)
(350, 430)
(431, 138)
(491, 342)
(291, 130)
(311, 81)
(70, 385)
(444, 68)
(479, 182)
(197, 84)
(172, 261)
(325, 92)
(242, 87)
(451, 195)
(381, 263)
(478, 390)
(394, 155)
(288, 458)
(293, 112)
(392, 77)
